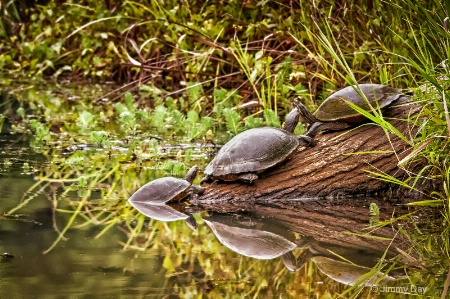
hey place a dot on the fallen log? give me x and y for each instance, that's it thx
(336, 167)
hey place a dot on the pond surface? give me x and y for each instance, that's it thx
(229, 254)
(59, 240)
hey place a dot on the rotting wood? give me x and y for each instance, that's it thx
(337, 166)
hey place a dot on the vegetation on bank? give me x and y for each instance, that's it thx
(193, 70)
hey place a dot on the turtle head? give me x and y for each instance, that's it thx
(304, 112)
(192, 173)
(291, 120)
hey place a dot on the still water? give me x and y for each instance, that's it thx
(59, 242)
(301, 249)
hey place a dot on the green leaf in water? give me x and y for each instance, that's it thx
(86, 120)
(100, 137)
(167, 264)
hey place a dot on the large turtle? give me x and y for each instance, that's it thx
(255, 150)
(167, 189)
(335, 113)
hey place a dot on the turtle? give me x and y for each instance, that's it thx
(256, 150)
(335, 113)
(167, 189)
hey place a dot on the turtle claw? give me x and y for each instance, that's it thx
(248, 177)
(306, 140)
(206, 179)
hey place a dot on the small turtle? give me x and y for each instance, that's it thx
(256, 150)
(167, 189)
(335, 113)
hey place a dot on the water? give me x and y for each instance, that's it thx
(234, 254)
(286, 249)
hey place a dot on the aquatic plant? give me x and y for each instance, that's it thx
(202, 72)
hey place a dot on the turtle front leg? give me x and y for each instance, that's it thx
(197, 189)
(206, 179)
(247, 177)
(292, 263)
(306, 140)
(322, 126)
(191, 222)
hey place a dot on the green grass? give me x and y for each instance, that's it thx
(207, 72)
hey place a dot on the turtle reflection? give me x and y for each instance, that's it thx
(256, 238)
(348, 273)
(267, 238)
(152, 198)
(166, 213)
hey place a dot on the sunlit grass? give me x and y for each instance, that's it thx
(119, 142)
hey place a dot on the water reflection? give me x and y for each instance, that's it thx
(315, 231)
(166, 213)
(260, 237)
(254, 237)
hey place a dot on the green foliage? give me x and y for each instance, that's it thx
(96, 40)
(86, 121)
(194, 79)
(271, 118)
(233, 121)
(100, 138)
(40, 130)
(253, 122)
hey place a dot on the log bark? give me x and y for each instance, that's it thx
(336, 167)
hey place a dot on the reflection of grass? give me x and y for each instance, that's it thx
(88, 182)
(122, 145)
(430, 142)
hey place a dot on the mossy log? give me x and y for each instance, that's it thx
(339, 165)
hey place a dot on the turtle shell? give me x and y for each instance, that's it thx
(335, 108)
(162, 190)
(252, 151)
